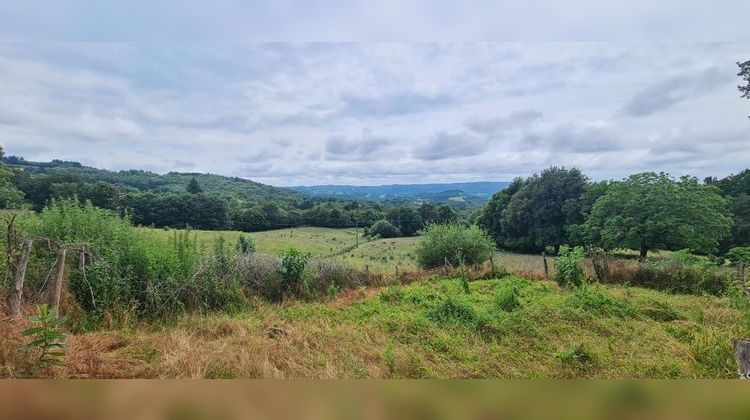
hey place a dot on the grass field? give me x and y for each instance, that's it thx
(433, 329)
(319, 242)
(380, 255)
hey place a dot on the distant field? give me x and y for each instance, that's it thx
(319, 242)
(380, 255)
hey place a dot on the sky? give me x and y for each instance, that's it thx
(369, 113)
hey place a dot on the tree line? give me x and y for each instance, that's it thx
(646, 211)
(196, 207)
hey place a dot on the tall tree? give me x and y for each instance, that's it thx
(530, 215)
(193, 187)
(650, 211)
(744, 73)
(10, 196)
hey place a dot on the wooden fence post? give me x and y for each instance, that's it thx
(741, 272)
(397, 280)
(546, 268)
(55, 288)
(742, 355)
(19, 275)
(492, 266)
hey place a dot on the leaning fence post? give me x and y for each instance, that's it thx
(19, 275)
(55, 288)
(742, 355)
(546, 268)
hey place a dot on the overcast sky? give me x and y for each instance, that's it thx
(376, 113)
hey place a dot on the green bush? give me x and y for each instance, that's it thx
(47, 338)
(569, 267)
(739, 254)
(454, 243)
(506, 298)
(292, 271)
(383, 229)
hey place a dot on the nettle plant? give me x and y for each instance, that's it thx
(570, 271)
(47, 338)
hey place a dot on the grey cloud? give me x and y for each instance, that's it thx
(367, 148)
(494, 125)
(674, 90)
(393, 104)
(445, 145)
(570, 137)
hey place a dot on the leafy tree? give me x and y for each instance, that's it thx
(407, 219)
(193, 187)
(455, 243)
(651, 211)
(383, 229)
(530, 214)
(744, 73)
(10, 196)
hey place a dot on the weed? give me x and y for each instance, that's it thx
(506, 298)
(576, 355)
(46, 337)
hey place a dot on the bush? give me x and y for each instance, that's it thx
(739, 254)
(570, 271)
(292, 271)
(383, 229)
(506, 298)
(454, 243)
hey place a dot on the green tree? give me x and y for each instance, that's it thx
(651, 211)
(531, 214)
(193, 187)
(10, 196)
(383, 229)
(744, 73)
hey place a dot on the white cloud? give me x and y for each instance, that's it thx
(377, 113)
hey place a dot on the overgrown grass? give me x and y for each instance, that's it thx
(431, 328)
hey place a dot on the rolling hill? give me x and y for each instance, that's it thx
(469, 192)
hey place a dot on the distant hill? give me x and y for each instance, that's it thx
(153, 182)
(469, 192)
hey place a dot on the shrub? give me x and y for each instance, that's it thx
(570, 271)
(454, 243)
(597, 301)
(245, 244)
(739, 254)
(383, 229)
(506, 298)
(292, 271)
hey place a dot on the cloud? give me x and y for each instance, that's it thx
(495, 125)
(393, 104)
(444, 145)
(571, 137)
(669, 92)
(368, 147)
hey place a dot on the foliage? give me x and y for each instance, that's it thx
(407, 219)
(10, 196)
(533, 213)
(47, 338)
(506, 298)
(744, 73)
(454, 243)
(383, 229)
(570, 272)
(292, 271)
(193, 187)
(653, 211)
(245, 244)
(740, 254)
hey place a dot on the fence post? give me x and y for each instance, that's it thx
(19, 275)
(741, 272)
(55, 288)
(546, 268)
(492, 266)
(397, 279)
(742, 355)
